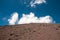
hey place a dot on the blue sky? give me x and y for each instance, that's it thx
(7, 7)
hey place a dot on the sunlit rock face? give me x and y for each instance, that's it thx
(31, 31)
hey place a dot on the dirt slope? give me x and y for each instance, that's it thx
(30, 32)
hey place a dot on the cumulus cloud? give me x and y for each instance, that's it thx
(13, 19)
(31, 18)
(33, 2)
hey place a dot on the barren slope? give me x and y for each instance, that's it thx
(30, 32)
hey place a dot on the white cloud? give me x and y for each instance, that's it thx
(31, 18)
(13, 19)
(33, 2)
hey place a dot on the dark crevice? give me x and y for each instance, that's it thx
(58, 26)
(34, 31)
(11, 34)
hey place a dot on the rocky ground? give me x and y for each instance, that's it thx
(33, 31)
